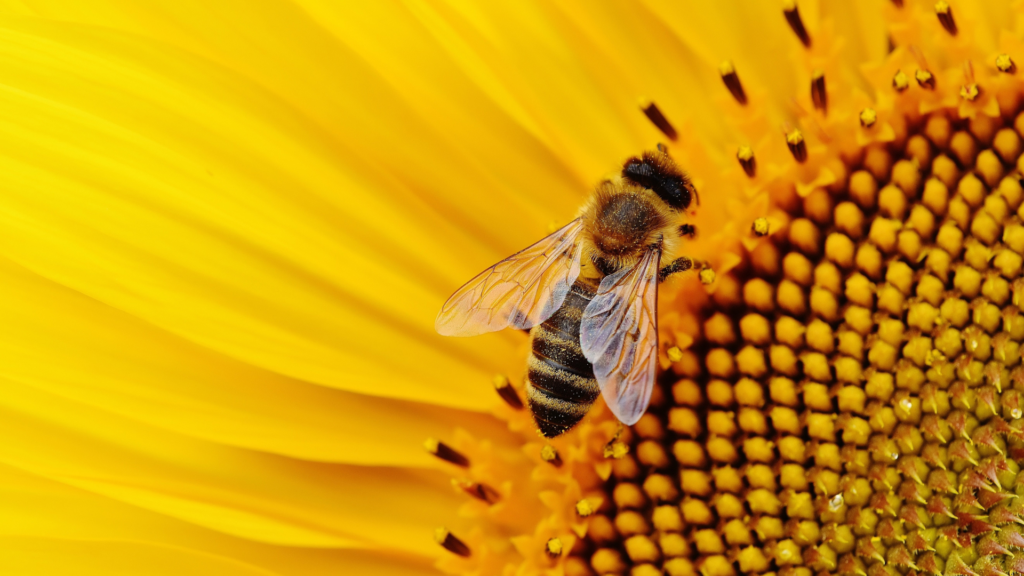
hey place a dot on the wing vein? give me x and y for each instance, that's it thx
(521, 291)
(619, 336)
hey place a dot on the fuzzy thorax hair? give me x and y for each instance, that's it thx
(622, 221)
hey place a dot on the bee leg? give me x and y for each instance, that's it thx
(677, 265)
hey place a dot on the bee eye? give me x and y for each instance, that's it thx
(686, 198)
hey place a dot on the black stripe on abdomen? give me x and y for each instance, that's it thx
(558, 351)
(561, 386)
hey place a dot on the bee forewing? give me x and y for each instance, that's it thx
(619, 336)
(521, 291)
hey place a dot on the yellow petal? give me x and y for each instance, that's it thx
(43, 509)
(231, 240)
(755, 38)
(31, 556)
(247, 494)
(73, 346)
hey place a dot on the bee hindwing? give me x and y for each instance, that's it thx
(619, 336)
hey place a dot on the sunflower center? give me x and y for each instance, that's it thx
(854, 404)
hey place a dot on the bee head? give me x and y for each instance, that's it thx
(658, 173)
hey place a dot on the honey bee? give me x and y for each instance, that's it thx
(588, 293)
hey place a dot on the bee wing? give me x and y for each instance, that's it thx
(522, 290)
(619, 336)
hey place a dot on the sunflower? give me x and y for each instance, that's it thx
(227, 227)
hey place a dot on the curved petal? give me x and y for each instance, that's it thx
(215, 216)
(246, 494)
(78, 348)
(754, 36)
(36, 508)
(32, 556)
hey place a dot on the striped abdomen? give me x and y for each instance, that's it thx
(560, 386)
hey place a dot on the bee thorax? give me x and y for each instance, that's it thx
(624, 222)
